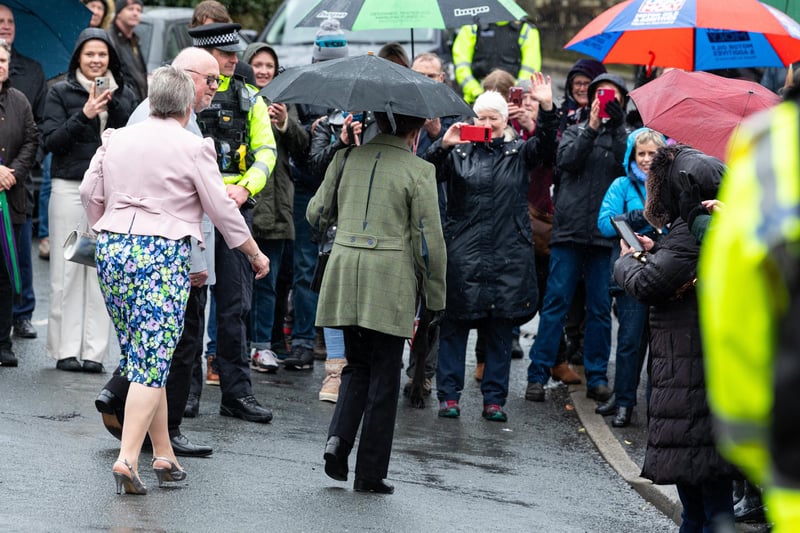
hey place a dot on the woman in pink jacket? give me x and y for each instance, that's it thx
(145, 193)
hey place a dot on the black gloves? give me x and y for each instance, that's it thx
(436, 318)
(691, 205)
(635, 218)
(615, 113)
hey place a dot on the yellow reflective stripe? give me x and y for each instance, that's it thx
(783, 509)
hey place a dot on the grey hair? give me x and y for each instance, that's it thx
(171, 93)
(4, 45)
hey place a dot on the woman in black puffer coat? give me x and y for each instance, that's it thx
(74, 118)
(680, 445)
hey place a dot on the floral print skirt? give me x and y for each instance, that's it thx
(145, 284)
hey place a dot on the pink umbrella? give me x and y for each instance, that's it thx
(698, 108)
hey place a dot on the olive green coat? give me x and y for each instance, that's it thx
(388, 228)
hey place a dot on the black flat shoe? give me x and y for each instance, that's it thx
(623, 417)
(93, 367)
(601, 393)
(378, 486)
(183, 447)
(70, 364)
(336, 453)
(108, 402)
(607, 408)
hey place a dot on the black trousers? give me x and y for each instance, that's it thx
(188, 350)
(233, 294)
(369, 390)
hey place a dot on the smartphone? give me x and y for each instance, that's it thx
(100, 85)
(476, 133)
(604, 96)
(515, 96)
(627, 234)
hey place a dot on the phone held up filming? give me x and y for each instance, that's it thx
(100, 85)
(476, 133)
(604, 96)
(627, 234)
(515, 96)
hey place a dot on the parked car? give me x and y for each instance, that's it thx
(293, 45)
(163, 32)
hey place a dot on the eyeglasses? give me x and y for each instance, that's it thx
(210, 80)
(581, 83)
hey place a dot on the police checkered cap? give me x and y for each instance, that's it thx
(222, 36)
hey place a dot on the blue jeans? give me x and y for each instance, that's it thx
(452, 353)
(211, 327)
(567, 263)
(704, 504)
(305, 260)
(631, 348)
(262, 312)
(44, 197)
(23, 308)
(334, 343)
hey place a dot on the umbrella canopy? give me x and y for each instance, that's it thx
(698, 108)
(388, 14)
(46, 30)
(790, 7)
(691, 35)
(366, 83)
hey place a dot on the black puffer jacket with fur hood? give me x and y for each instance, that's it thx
(680, 445)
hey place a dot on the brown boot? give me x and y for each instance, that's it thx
(479, 371)
(333, 378)
(565, 374)
(320, 350)
(212, 378)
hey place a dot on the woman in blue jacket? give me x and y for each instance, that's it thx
(624, 199)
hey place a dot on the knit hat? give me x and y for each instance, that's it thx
(119, 5)
(330, 42)
(591, 68)
(612, 78)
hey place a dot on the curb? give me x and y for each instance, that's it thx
(663, 497)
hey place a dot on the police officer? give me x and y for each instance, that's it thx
(240, 125)
(479, 49)
(749, 282)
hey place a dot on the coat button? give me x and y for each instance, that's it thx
(370, 242)
(352, 239)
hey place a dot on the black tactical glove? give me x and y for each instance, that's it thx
(615, 113)
(691, 205)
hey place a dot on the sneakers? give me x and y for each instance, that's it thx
(246, 408)
(479, 371)
(212, 377)
(44, 248)
(565, 374)
(494, 413)
(534, 392)
(333, 378)
(264, 360)
(449, 409)
(7, 357)
(302, 358)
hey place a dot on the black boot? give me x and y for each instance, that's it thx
(336, 453)
(750, 508)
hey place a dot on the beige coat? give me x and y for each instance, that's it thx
(388, 228)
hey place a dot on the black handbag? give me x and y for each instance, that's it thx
(329, 235)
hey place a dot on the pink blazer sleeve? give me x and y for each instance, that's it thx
(92, 189)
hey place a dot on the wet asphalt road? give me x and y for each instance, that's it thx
(538, 472)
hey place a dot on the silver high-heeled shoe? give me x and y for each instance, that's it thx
(132, 484)
(173, 473)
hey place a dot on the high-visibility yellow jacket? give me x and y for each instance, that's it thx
(749, 282)
(530, 59)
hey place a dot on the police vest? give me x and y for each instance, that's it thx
(497, 47)
(226, 120)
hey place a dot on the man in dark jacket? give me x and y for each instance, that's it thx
(128, 15)
(590, 157)
(26, 75)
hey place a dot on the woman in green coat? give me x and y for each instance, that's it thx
(388, 228)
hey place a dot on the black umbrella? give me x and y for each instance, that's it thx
(367, 83)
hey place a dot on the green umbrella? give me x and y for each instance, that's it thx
(388, 14)
(790, 7)
(8, 245)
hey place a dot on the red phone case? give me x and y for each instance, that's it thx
(476, 133)
(604, 96)
(515, 95)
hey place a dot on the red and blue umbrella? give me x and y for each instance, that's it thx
(691, 35)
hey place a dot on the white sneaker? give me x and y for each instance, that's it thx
(264, 361)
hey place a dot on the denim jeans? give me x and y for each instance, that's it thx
(704, 504)
(262, 312)
(452, 353)
(23, 307)
(631, 348)
(334, 343)
(44, 197)
(305, 260)
(567, 263)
